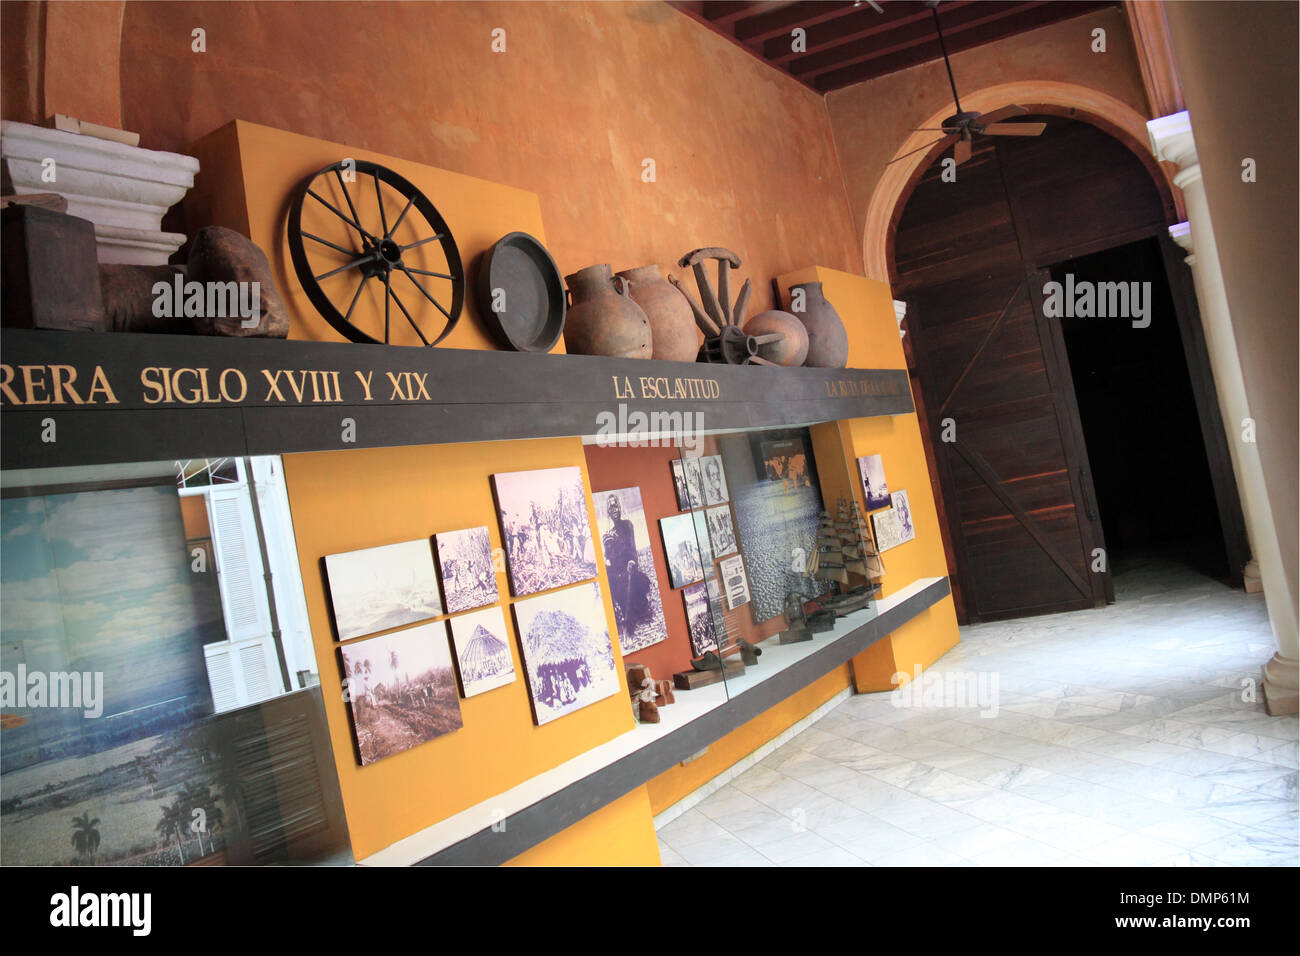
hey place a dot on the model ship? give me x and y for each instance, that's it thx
(845, 547)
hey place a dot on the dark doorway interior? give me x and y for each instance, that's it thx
(1150, 469)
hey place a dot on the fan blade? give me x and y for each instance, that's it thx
(944, 139)
(961, 152)
(1001, 114)
(1015, 129)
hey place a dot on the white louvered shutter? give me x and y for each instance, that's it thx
(239, 564)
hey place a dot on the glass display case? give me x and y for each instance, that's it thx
(162, 703)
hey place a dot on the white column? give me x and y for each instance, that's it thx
(124, 190)
(900, 310)
(1172, 141)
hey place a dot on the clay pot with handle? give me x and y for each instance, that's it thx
(602, 318)
(672, 324)
(828, 342)
(792, 348)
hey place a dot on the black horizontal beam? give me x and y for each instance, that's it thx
(79, 398)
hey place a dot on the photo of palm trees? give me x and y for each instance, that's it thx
(401, 689)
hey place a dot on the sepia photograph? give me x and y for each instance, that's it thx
(567, 651)
(699, 620)
(483, 656)
(681, 549)
(401, 690)
(468, 578)
(376, 589)
(715, 480)
(630, 566)
(888, 531)
(875, 491)
(903, 509)
(544, 526)
(679, 484)
(722, 532)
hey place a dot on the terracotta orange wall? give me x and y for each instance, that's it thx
(871, 119)
(347, 500)
(584, 92)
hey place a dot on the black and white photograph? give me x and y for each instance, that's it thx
(679, 484)
(735, 585)
(715, 480)
(874, 489)
(699, 621)
(567, 651)
(630, 566)
(401, 689)
(376, 589)
(887, 528)
(468, 578)
(545, 529)
(681, 549)
(722, 531)
(694, 471)
(483, 656)
(903, 509)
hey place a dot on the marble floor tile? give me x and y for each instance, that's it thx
(1120, 738)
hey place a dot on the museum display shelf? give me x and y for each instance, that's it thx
(500, 828)
(134, 397)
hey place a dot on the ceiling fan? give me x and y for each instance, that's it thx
(962, 127)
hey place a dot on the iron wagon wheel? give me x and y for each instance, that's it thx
(368, 240)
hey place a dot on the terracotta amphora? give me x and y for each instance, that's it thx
(672, 324)
(602, 319)
(828, 342)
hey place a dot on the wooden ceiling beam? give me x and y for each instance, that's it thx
(865, 23)
(752, 31)
(867, 67)
(919, 33)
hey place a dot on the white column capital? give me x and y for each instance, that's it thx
(124, 190)
(900, 310)
(1181, 233)
(1172, 141)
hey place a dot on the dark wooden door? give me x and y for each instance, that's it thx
(1002, 414)
(1006, 440)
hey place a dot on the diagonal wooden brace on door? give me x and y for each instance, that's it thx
(990, 478)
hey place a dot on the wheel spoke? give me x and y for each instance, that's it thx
(362, 285)
(326, 242)
(334, 209)
(387, 290)
(425, 293)
(426, 272)
(421, 242)
(409, 203)
(348, 196)
(351, 265)
(393, 293)
(379, 198)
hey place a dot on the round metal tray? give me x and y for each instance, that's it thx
(521, 294)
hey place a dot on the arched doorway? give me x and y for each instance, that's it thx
(1008, 367)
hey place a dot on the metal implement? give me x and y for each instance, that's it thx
(365, 242)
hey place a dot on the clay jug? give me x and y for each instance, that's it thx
(828, 343)
(601, 321)
(791, 348)
(672, 324)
